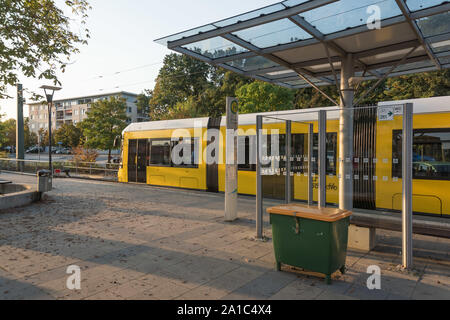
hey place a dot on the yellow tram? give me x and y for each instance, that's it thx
(147, 149)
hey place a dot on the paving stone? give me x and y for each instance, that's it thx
(136, 242)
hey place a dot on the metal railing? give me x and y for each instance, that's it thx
(64, 168)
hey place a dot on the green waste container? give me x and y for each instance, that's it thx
(311, 238)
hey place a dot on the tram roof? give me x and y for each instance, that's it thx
(279, 42)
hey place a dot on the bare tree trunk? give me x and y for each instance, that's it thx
(109, 155)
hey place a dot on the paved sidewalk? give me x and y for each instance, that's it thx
(140, 242)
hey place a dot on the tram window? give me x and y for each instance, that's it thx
(244, 143)
(331, 142)
(193, 162)
(160, 152)
(431, 154)
(267, 150)
(300, 152)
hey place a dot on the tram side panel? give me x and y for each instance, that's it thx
(431, 164)
(272, 185)
(431, 183)
(160, 169)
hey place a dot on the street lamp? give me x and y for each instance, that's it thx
(49, 92)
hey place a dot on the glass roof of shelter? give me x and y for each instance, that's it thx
(279, 42)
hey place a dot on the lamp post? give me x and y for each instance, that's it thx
(49, 92)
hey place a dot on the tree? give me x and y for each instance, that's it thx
(424, 85)
(36, 40)
(43, 137)
(69, 135)
(188, 88)
(143, 102)
(105, 121)
(180, 77)
(9, 131)
(262, 97)
(29, 136)
(2, 132)
(224, 84)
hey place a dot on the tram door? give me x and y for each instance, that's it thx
(132, 153)
(137, 160)
(142, 156)
(212, 169)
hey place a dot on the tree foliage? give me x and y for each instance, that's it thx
(105, 121)
(8, 134)
(187, 88)
(143, 102)
(262, 97)
(36, 39)
(69, 135)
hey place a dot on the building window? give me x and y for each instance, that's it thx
(160, 152)
(129, 110)
(431, 154)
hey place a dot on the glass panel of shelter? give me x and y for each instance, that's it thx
(376, 185)
(415, 5)
(343, 15)
(216, 47)
(273, 34)
(375, 160)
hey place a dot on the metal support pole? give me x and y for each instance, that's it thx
(407, 214)
(50, 165)
(310, 168)
(322, 158)
(288, 144)
(259, 189)
(20, 152)
(346, 136)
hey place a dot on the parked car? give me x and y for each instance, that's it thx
(10, 149)
(63, 151)
(35, 149)
(116, 160)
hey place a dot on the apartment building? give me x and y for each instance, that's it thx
(74, 110)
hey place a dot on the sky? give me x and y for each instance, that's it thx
(121, 54)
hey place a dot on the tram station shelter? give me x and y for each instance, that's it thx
(301, 43)
(316, 43)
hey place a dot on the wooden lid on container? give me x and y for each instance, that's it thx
(310, 212)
